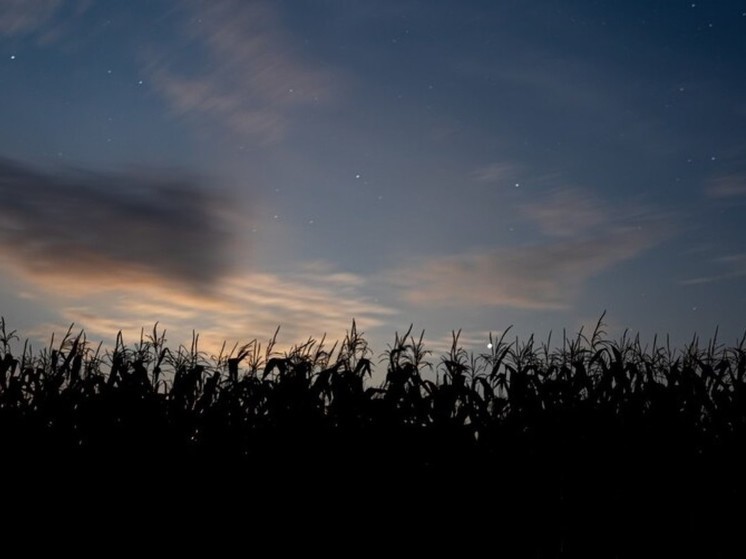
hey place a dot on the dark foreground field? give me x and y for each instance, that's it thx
(594, 448)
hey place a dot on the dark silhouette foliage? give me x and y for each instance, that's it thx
(600, 448)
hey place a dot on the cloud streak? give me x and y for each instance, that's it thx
(98, 227)
(730, 267)
(566, 212)
(242, 307)
(538, 277)
(497, 172)
(122, 251)
(18, 17)
(727, 186)
(253, 79)
(48, 20)
(583, 241)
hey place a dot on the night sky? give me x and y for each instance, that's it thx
(232, 165)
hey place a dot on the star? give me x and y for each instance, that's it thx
(12, 56)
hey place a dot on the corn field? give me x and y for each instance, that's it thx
(600, 447)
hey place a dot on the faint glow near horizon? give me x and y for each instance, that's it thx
(234, 165)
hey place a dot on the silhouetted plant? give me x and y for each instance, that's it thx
(547, 422)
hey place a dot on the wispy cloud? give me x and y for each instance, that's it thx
(100, 228)
(472, 341)
(566, 212)
(496, 172)
(584, 241)
(532, 277)
(47, 20)
(18, 17)
(253, 78)
(727, 186)
(121, 252)
(242, 307)
(725, 268)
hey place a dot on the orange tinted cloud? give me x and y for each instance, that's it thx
(240, 307)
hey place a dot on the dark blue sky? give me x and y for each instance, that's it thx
(233, 165)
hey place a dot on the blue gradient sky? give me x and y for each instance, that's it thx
(233, 165)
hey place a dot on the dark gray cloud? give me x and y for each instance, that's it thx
(108, 227)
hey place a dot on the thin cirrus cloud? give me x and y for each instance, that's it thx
(566, 212)
(497, 172)
(253, 79)
(243, 307)
(726, 189)
(23, 16)
(728, 267)
(46, 20)
(98, 228)
(582, 240)
(122, 251)
(727, 186)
